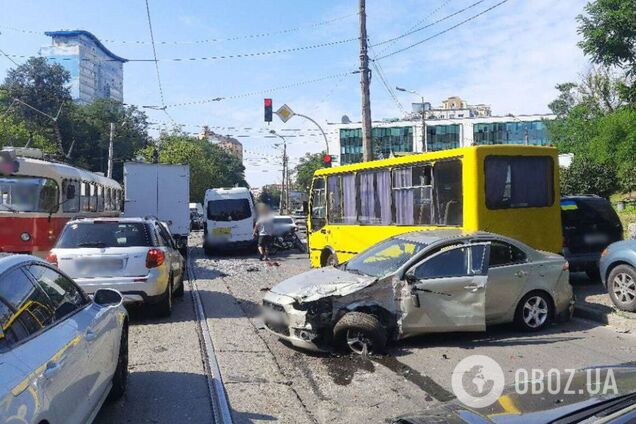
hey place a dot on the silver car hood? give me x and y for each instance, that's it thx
(318, 283)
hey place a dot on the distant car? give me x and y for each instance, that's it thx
(136, 256)
(420, 282)
(580, 402)
(618, 273)
(197, 221)
(61, 353)
(590, 224)
(284, 225)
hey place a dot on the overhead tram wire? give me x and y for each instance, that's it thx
(154, 53)
(416, 25)
(411, 32)
(441, 32)
(383, 79)
(9, 57)
(209, 40)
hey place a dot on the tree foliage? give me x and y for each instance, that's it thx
(210, 166)
(585, 176)
(304, 171)
(270, 195)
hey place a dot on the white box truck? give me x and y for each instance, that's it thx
(162, 191)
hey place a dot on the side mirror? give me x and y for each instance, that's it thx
(70, 192)
(410, 276)
(107, 297)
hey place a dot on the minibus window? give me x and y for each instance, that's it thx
(229, 210)
(318, 204)
(519, 181)
(334, 200)
(349, 199)
(412, 195)
(375, 197)
(447, 186)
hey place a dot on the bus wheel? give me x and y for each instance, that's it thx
(329, 258)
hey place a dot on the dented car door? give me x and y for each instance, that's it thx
(447, 291)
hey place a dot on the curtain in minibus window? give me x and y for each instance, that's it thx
(412, 195)
(519, 182)
(403, 196)
(334, 200)
(349, 198)
(375, 197)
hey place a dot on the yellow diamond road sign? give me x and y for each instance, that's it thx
(285, 113)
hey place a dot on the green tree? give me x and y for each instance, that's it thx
(42, 86)
(585, 176)
(305, 169)
(270, 195)
(609, 38)
(210, 166)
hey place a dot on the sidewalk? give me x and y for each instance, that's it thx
(593, 303)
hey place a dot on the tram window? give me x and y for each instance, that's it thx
(107, 204)
(85, 197)
(93, 201)
(71, 199)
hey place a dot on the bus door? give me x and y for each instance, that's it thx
(316, 231)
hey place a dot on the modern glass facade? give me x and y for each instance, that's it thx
(515, 132)
(442, 137)
(386, 140)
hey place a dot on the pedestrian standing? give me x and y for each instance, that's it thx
(264, 228)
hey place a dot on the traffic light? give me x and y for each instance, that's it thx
(268, 110)
(327, 160)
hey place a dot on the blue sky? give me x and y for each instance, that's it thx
(510, 58)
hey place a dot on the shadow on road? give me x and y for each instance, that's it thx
(160, 397)
(222, 305)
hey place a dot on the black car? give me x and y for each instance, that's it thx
(590, 224)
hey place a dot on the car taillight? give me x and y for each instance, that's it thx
(155, 258)
(566, 266)
(52, 258)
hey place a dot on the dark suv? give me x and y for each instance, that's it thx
(590, 224)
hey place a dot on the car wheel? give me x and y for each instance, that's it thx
(593, 274)
(178, 292)
(120, 378)
(360, 333)
(534, 312)
(164, 307)
(621, 286)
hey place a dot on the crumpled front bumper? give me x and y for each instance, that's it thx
(289, 324)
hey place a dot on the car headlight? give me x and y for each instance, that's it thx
(25, 236)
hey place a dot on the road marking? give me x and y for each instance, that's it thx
(218, 397)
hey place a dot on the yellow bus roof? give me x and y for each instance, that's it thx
(505, 149)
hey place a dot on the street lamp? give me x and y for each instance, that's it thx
(424, 144)
(283, 195)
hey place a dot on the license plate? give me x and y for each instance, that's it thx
(274, 317)
(222, 231)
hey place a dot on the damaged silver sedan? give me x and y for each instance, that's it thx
(417, 283)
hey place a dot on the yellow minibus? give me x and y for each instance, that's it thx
(506, 189)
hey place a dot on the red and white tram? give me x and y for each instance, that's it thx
(38, 197)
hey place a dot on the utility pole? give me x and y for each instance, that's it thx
(365, 73)
(109, 173)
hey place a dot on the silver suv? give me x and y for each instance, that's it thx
(136, 256)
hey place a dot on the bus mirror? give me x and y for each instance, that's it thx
(70, 192)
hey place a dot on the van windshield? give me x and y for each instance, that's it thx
(229, 210)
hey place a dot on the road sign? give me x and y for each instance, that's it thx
(285, 113)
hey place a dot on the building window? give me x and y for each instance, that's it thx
(386, 141)
(533, 133)
(442, 137)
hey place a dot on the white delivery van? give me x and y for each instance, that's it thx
(230, 217)
(196, 207)
(161, 191)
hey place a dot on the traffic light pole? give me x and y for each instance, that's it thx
(319, 127)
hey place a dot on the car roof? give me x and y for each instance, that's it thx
(114, 219)
(9, 260)
(434, 236)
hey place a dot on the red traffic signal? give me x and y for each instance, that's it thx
(327, 160)
(268, 110)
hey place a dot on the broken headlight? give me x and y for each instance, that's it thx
(314, 308)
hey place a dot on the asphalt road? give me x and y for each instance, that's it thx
(268, 381)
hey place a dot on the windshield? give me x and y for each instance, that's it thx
(229, 210)
(384, 257)
(104, 234)
(28, 194)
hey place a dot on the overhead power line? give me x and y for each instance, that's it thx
(441, 32)
(411, 32)
(207, 40)
(8, 57)
(388, 44)
(154, 53)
